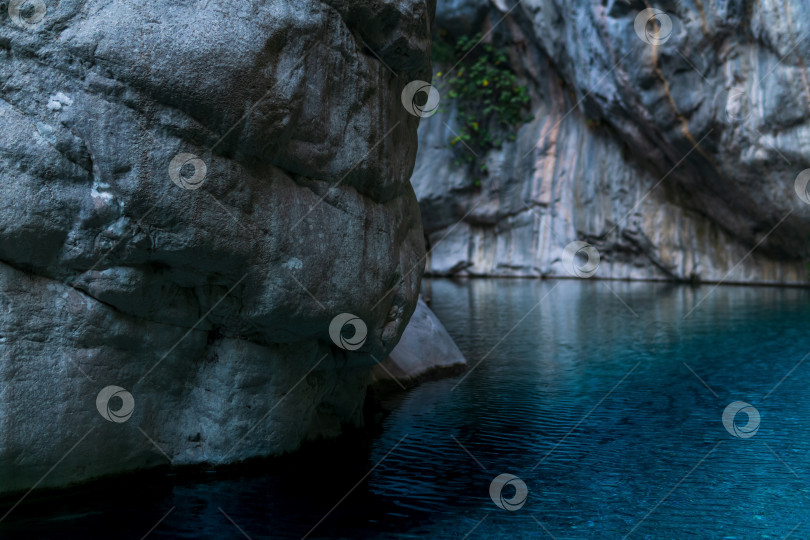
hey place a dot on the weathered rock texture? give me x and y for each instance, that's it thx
(674, 160)
(426, 351)
(211, 306)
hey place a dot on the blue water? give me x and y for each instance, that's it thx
(605, 398)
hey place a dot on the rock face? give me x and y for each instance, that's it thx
(191, 194)
(425, 351)
(674, 153)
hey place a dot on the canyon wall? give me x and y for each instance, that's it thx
(668, 135)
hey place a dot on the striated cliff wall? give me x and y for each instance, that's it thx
(670, 140)
(193, 194)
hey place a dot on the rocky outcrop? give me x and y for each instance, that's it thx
(426, 351)
(192, 195)
(674, 152)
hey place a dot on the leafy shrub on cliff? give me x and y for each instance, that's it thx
(491, 103)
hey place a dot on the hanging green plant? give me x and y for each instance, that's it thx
(490, 101)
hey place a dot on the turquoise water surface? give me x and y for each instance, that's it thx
(606, 399)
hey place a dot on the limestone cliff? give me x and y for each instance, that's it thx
(193, 194)
(668, 135)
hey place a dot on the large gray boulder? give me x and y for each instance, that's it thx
(675, 155)
(192, 194)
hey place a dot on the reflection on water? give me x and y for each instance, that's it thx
(605, 398)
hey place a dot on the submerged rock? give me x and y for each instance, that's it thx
(425, 351)
(674, 154)
(191, 194)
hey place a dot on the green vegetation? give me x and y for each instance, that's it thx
(593, 123)
(491, 103)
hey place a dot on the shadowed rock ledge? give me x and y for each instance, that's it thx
(192, 192)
